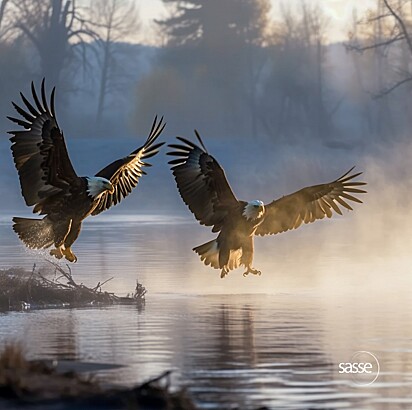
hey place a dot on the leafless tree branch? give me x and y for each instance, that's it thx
(401, 23)
(388, 90)
(361, 49)
(2, 9)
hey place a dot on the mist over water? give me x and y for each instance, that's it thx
(281, 106)
(327, 290)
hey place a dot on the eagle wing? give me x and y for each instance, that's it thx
(124, 173)
(202, 183)
(309, 204)
(39, 151)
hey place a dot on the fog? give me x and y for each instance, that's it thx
(278, 104)
(281, 105)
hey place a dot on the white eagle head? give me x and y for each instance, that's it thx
(98, 185)
(254, 210)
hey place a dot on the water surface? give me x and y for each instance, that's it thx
(326, 291)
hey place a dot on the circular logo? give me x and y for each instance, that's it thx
(365, 368)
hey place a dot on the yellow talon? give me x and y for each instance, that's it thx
(56, 253)
(69, 255)
(253, 271)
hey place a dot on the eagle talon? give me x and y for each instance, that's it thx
(71, 258)
(69, 255)
(253, 271)
(57, 253)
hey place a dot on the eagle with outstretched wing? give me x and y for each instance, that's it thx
(203, 186)
(50, 184)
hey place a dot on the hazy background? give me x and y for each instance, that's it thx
(286, 94)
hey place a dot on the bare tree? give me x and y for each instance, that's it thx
(253, 28)
(296, 84)
(56, 28)
(386, 37)
(391, 26)
(114, 20)
(359, 86)
(2, 9)
(222, 41)
(13, 62)
(315, 24)
(6, 25)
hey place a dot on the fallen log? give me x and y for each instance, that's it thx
(55, 287)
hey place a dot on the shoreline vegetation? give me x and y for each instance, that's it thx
(55, 287)
(54, 384)
(38, 385)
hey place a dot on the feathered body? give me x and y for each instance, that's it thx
(64, 212)
(203, 186)
(233, 246)
(49, 182)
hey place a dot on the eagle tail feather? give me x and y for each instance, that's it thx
(209, 253)
(35, 233)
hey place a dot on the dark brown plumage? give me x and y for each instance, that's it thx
(49, 182)
(203, 186)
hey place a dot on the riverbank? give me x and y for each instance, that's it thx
(55, 287)
(39, 385)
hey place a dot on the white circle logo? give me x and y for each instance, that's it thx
(363, 368)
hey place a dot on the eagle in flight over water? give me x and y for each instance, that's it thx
(49, 182)
(204, 188)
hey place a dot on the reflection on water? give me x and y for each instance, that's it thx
(274, 340)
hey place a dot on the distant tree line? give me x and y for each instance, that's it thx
(381, 47)
(230, 68)
(238, 68)
(56, 39)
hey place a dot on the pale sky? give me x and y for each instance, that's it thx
(338, 11)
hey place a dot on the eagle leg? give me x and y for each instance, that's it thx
(69, 255)
(224, 272)
(254, 271)
(57, 253)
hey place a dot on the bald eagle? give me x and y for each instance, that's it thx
(49, 182)
(204, 188)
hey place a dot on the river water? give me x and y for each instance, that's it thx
(326, 292)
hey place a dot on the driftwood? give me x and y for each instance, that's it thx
(34, 384)
(56, 287)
